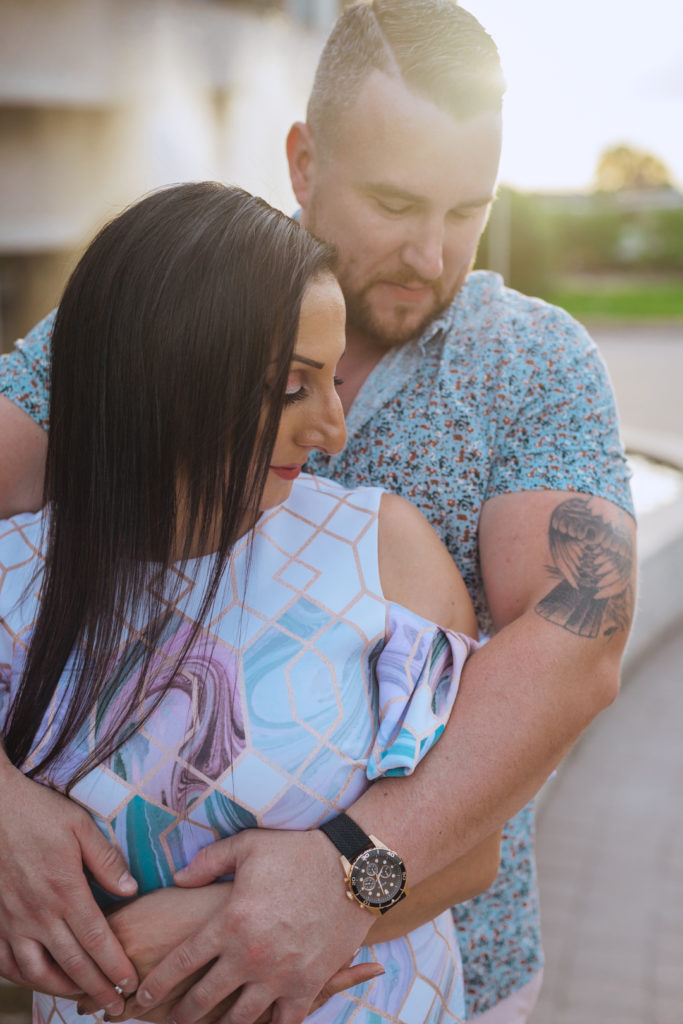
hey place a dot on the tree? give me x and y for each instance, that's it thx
(626, 167)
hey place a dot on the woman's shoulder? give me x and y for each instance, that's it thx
(318, 495)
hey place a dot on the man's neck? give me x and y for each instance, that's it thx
(361, 357)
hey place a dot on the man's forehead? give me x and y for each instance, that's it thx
(394, 141)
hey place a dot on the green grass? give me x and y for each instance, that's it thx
(646, 301)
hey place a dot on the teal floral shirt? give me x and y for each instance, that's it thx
(503, 393)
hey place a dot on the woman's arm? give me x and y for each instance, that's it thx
(417, 571)
(152, 925)
(461, 880)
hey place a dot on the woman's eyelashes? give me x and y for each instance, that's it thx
(298, 393)
(295, 396)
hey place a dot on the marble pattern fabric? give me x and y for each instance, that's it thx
(304, 685)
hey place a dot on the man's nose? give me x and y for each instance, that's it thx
(423, 253)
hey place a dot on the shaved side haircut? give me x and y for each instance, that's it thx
(435, 47)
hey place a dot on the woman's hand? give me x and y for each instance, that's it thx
(53, 936)
(153, 925)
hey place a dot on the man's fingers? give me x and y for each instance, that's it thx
(251, 1006)
(105, 861)
(180, 963)
(210, 863)
(347, 977)
(37, 970)
(8, 965)
(92, 933)
(71, 956)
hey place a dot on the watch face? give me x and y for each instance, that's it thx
(378, 878)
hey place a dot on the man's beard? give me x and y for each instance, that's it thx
(403, 328)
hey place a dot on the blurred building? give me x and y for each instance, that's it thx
(102, 100)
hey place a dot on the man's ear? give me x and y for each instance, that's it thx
(301, 159)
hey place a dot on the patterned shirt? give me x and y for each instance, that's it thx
(502, 393)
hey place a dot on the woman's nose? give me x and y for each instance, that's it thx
(327, 432)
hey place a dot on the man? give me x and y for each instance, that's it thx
(492, 412)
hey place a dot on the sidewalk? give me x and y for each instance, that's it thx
(610, 859)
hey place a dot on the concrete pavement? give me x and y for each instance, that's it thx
(610, 858)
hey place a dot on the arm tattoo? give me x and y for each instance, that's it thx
(593, 559)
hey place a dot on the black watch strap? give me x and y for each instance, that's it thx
(348, 837)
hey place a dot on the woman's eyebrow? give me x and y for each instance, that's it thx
(308, 362)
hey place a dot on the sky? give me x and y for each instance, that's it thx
(584, 75)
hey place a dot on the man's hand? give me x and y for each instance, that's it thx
(279, 939)
(53, 936)
(154, 924)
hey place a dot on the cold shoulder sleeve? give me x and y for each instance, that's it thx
(417, 673)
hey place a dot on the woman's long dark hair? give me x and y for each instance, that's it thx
(161, 353)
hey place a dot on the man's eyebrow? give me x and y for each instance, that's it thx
(379, 188)
(473, 204)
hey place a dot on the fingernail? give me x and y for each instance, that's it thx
(115, 1008)
(127, 883)
(80, 1011)
(143, 997)
(379, 970)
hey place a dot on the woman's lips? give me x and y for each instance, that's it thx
(286, 472)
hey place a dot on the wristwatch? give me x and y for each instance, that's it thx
(375, 875)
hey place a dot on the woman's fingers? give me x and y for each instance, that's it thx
(347, 977)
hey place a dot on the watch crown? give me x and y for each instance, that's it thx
(349, 895)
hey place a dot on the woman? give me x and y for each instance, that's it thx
(218, 642)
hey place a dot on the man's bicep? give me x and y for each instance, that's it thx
(567, 556)
(22, 460)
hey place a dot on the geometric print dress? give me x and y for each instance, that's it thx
(303, 687)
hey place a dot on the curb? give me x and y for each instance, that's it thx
(660, 554)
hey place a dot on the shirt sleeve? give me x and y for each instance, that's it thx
(25, 371)
(417, 675)
(563, 434)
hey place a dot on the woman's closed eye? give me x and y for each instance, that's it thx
(297, 394)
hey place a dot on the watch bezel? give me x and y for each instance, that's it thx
(355, 890)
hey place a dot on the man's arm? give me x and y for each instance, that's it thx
(560, 581)
(22, 460)
(559, 572)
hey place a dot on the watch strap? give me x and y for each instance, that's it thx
(347, 836)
